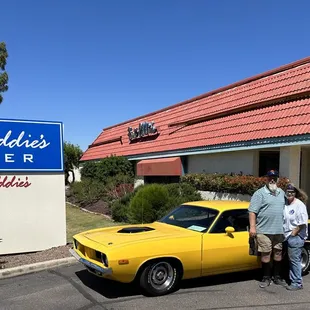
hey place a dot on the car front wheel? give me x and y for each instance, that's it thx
(160, 278)
(305, 258)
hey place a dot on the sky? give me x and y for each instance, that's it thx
(93, 64)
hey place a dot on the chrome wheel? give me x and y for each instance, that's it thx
(304, 258)
(161, 276)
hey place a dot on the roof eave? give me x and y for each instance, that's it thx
(230, 147)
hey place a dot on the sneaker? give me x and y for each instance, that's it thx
(279, 281)
(266, 281)
(294, 288)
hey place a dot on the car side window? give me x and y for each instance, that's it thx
(238, 219)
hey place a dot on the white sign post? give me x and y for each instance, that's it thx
(32, 186)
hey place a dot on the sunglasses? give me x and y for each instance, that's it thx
(290, 193)
(275, 179)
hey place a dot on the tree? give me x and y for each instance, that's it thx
(4, 78)
(72, 155)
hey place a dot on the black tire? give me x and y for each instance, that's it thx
(305, 258)
(160, 277)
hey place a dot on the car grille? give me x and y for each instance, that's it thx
(91, 253)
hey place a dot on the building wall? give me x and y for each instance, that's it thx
(305, 172)
(290, 157)
(245, 161)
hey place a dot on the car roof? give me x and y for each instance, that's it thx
(220, 205)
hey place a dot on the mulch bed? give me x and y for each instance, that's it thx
(16, 260)
(100, 207)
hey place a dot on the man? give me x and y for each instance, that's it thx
(266, 225)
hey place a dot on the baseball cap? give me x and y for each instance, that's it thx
(273, 173)
(290, 187)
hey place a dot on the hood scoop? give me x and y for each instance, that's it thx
(131, 230)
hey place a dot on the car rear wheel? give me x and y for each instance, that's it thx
(160, 278)
(305, 258)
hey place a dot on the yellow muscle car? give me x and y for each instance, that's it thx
(194, 240)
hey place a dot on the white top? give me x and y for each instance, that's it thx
(295, 214)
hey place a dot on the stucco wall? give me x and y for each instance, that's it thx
(305, 172)
(223, 163)
(290, 163)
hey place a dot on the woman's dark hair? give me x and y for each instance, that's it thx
(300, 194)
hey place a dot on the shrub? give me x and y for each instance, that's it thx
(86, 192)
(153, 201)
(117, 187)
(89, 170)
(180, 193)
(108, 180)
(183, 190)
(108, 168)
(148, 203)
(119, 208)
(228, 183)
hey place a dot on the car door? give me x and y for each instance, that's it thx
(227, 252)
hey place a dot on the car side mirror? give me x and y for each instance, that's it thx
(229, 229)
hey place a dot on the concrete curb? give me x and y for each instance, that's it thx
(20, 270)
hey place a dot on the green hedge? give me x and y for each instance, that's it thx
(227, 183)
(107, 169)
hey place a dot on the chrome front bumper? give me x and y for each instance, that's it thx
(97, 269)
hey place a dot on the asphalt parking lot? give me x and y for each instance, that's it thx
(74, 288)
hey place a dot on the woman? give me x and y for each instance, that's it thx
(296, 232)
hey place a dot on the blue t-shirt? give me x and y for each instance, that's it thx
(269, 208)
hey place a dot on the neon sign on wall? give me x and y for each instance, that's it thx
(31, 146)
(144, 129)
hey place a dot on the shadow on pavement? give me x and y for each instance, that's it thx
(222, 279)
(107, 288)
(111, 289)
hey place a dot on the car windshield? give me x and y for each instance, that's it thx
(191, 217)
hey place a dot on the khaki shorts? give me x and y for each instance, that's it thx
(266, 243)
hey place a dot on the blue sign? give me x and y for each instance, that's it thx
(31, 146)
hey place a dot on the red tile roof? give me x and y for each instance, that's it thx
(260, 107)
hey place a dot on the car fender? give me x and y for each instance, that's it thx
(159, 257)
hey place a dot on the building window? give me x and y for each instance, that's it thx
(161, 179)
(268, 160)
(184, 160)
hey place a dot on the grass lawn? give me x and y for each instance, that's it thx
(78, 221)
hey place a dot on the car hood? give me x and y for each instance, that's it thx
(122, 235)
